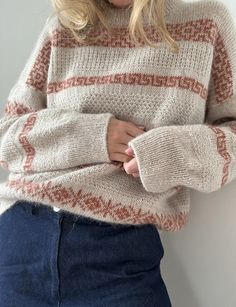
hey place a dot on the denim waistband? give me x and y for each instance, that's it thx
(37, 208)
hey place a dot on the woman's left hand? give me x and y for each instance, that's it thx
(131, 167)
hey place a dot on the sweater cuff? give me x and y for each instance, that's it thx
(161, 159)
(97, 140)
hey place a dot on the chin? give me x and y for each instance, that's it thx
(120, 4)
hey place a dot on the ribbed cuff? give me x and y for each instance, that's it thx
(160, 159)
(96, 143)
(101, 138)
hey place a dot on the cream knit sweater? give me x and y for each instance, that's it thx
(53, 134)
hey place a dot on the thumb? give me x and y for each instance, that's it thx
(129, 151)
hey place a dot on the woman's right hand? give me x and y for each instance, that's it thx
(119, 134)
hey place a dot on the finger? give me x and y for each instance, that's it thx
(129, 151)
(130, 131)
(125, 138)
(117, 156)
(122, 148)
(131, 166)
(134, 131)
(135, 174)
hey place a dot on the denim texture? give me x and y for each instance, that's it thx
(50, 258)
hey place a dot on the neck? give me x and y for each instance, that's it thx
(119, 16)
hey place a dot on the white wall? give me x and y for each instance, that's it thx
(199, 266)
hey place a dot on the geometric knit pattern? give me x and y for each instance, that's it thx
(53, 134)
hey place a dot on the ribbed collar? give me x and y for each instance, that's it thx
(119, 17)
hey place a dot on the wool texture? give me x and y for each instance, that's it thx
(53, 134)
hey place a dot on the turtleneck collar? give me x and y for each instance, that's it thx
(119, 17)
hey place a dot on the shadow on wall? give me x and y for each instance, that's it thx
(177, 282)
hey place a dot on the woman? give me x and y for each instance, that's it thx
(121, 109)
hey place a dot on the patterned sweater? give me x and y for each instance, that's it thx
(53, 133)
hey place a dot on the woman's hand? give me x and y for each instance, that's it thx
(131, 167)
(119, 134)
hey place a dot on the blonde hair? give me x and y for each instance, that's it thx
(80, 15)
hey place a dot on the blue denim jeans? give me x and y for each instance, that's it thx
(50, 258)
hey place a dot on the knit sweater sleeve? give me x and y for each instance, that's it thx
(198, 156)
(35, 138)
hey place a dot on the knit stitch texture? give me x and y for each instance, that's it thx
(53, 134)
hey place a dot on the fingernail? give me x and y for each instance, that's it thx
(128, 150)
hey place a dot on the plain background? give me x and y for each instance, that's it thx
(199, 265)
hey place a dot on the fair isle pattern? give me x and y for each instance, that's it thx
(186, 31)
(38, 75)
(14, 108)
(223, 86)
(203, 30)
(29, 149)
(221, 144)
(222, 72)
(222, 150)
(132, 79)
(97, 206)
(17, 109)
(11, 109)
